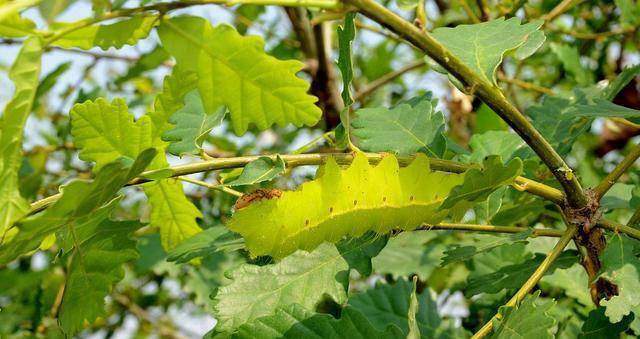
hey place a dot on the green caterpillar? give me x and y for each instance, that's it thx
(343, 202)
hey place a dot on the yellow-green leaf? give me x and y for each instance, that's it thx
(172, 212)
(482, 46)
(106, 131)
(125, 32)
(236, 72)
(24, 73)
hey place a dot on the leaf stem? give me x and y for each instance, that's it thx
(533, 279)
(538, 232)
(617, 172)
(491, 95)
(220, 188)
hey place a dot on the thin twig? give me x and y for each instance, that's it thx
(538, 232)
(385, 79)
(526, 85)
(617, 172)
(562, 7)
(467, 9)
(533, 279)
(220, 188)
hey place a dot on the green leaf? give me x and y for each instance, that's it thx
(50, 9)
(548, 118)
(530, 319)
(505, 144)
(303, 278)
(574, 281)
(409, 253)
(390, 304)
(479, 183)
(346, 34)
(172, 212)
(11, 23)
(235, 72)
(597, 326)
(124, 32)
(104, 131)
(513, 276)
(294, 322)
(259, 170)
(404, 129)
(600, 108)
(24, 73)
(95, 266)
(414, 331)
(193, 124)
(203, 244)
(359, 251)
(629, 12)
(482, 46)
(570, 59)
(622, 267)
(341, 202)
(78, 204)
(458, 253)
(624, 78)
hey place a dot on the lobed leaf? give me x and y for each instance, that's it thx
(294, 321)
(622, 267)
(482, 46)
(259, 170)
(106, 131)
(193, 124)
(390, 304)
(597, 326)
(405, 129)
(340, 202)
(303, 278)
(530, 319)
(235, 72)
(480, 183)
(124, 32)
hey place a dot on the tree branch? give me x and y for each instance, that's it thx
(294, 160)
(492, 96)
